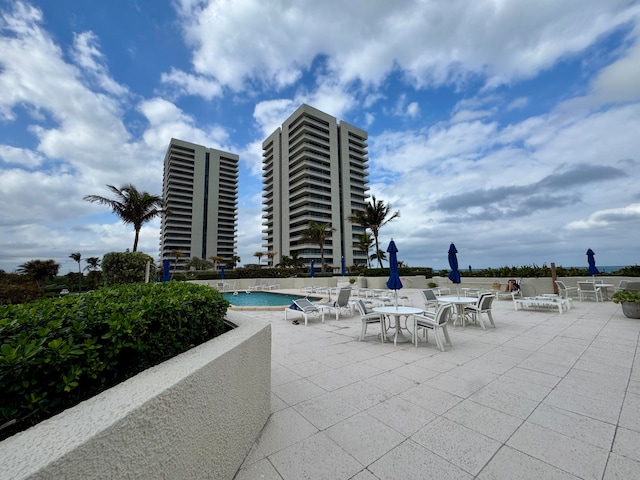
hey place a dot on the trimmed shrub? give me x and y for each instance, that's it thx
(16, 288)
(125, 267)
(55, 353)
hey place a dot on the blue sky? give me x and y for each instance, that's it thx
(507, 127)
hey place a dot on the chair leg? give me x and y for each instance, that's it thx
(479, 319)
(363, 331)
(491, 318)
(438, 340)
(445, 331)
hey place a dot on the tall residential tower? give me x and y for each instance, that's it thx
(315, 169)
(200, 189)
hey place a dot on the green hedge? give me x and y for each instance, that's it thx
(125, 267)
(54, 353)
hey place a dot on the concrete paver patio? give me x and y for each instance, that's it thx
(542, 396)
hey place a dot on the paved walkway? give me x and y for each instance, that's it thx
(541, 396)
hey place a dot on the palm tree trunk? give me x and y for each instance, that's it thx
(378, 250)
(135, 240)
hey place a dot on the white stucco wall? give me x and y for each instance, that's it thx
(194, 416)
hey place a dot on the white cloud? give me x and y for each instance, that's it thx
(241, 43)
(87, 55)
(469, 115)
(621, 217)
(620, 81)
(413, 109)
(517, 103)
(189, 84)
(34, 73)
(167, 121)
(20, 156)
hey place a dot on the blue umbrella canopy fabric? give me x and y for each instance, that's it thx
(222, 272)
(394, 282)
(592, 270)
(454, 275)
(342, 266)
(312, 268)
(166, 263)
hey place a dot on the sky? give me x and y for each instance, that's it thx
(509, 127)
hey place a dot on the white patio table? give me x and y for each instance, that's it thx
(603, 288)
(396, 313)
(459, 302)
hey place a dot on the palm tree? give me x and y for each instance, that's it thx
(133, 207)
(374, 217)
(259, 255)
(381, 256)
(93, 277)
(271, 255)
(296, 262)
(318, 233)
(93, 264)
(216, 260)
(177, 255)
(365, 242)
(40, 270)
(78, 257)
(235, 259)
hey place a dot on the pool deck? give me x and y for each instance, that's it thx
(544, 395)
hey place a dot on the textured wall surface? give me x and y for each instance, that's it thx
(194, 416)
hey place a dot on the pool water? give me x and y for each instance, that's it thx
(262, 299)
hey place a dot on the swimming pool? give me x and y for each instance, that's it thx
(262, 299)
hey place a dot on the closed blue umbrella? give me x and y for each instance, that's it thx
(592, 270)
(342, 266)
(311, 270)
(222, 272)
(394, 282)
(454, 275)
(165, 270)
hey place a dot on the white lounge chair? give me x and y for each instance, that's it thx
(257, 285)
(433, 321)
(271, 284)
(305, 308)
(546, 301)
(341, 304)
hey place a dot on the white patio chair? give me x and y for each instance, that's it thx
(564, 291)
(483, 305)
(305, 308)
(589, 289)
(369, 317)
(622, 285)
(433, 321)
(341, 304)
(441, 290)
(430, 300)
(271, 284)
(257, 285)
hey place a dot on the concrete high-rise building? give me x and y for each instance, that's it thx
(200, 189)
(315, 169)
